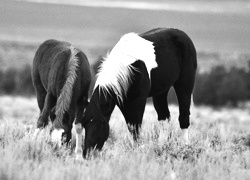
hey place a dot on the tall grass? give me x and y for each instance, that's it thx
(219, 147)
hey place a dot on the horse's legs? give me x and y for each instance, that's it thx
(70, 118)
(161, 106)
(40, 93)
(75, 113)
(48, 104)
(79, 128)
(184, 100)
(80, 110)
(53, 114)
(79, 139)
(133, 114)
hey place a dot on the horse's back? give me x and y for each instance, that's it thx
(173, 40)
(50, 66)
(47, 53)
(175, 56)
(48, 50)
(49, 63)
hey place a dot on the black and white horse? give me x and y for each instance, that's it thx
(61, 77)
(138, 67)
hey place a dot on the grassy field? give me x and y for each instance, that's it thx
(219, 147)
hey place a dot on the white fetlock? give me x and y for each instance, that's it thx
(185, 136)
(79, 138)
(79, 156)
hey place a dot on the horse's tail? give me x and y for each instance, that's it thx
(64, 99)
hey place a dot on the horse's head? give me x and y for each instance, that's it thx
(96, 133)
(96, 120)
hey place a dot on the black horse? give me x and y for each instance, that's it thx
(141, 66)
(61, 77)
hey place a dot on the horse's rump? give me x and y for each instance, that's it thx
(63, 71)
(49, 65)
(175, 56)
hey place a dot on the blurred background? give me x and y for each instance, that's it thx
(220, 30)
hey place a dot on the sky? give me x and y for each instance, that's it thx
(184, 6)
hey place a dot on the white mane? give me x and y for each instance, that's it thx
(116, 70)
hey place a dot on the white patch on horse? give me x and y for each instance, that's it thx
(56, 136)
(185, 136)
(116, 70)
(64, 99)
(79, 138)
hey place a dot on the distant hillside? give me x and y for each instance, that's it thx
(219, 38)
(94, 28)
(18, 54)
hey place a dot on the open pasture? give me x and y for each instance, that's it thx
(219, 147)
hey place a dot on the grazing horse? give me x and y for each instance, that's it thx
(141, 66)
(61, 77)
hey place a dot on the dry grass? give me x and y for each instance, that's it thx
(219, 147)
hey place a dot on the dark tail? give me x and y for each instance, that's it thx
(64, 100)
